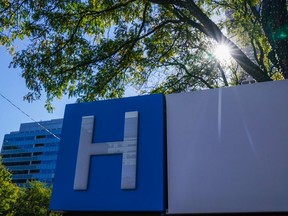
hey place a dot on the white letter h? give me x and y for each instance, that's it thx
(127, 147)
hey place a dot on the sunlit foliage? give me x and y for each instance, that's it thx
(93, 49)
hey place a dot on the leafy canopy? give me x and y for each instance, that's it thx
(93, 49)
(31, 200)
(8, 191)
(36, 195)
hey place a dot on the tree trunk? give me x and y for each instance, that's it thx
(215, 33)
(275, 25)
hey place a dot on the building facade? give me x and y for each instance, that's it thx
(31, 153)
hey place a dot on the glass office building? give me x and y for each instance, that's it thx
(31, 153)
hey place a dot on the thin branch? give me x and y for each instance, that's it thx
(102, 58)
(254, 51)
(59, 47)
(114, 7)
(190, 74)
(259, 60)
(254, 11)
(192, 23)
(222, 74)
(223, 4)
(167, 2)
(172, 44)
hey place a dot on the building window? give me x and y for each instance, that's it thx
(16, 172)
(19, 181)
(41, 137)
(34, 171)
(39, 145)
(36, 162)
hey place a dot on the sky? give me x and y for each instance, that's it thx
(12, 86)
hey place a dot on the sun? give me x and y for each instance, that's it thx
(222, 52)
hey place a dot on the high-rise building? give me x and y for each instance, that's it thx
(31, 153)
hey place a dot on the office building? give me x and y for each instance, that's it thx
(31, 153)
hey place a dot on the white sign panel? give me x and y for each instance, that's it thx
(228, 149)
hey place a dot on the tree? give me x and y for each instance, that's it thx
(92, 49)
(34, 200)
(8, 192)
(31, 200)
(263, 26)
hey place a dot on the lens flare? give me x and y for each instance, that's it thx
(222, 53)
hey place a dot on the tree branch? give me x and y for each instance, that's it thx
(190, 74)
(254, 11)
(192, 23)
(274, 22)
(222, 74)
(102, 58)
(114, 7)
(216, 34)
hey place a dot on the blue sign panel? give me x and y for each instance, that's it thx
(112, 156)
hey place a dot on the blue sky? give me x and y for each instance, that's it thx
(12, 86)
